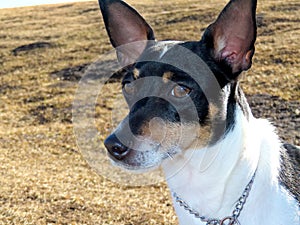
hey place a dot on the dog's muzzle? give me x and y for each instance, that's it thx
(115, 147)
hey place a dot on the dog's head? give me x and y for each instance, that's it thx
(174, 109)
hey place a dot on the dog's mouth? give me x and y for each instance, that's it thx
(144, 160)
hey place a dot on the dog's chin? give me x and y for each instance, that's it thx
(135, 167)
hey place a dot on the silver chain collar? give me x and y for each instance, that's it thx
(230, 220)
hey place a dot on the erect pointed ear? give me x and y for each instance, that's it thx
(231, 37)
(125, 25)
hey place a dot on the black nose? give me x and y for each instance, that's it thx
(115, 147)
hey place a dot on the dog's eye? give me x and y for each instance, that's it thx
(180, 91)
(129, 88)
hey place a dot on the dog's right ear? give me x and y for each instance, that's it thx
(125, 25)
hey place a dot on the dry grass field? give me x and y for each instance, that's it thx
(43, 176)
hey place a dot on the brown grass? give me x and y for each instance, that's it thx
(44, 179)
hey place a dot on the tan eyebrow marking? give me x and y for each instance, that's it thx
(136, 73)
(167, 76)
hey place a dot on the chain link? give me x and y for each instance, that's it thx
(231, 220)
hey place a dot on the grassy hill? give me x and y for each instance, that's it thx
(44, 178)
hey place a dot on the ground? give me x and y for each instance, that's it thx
(43, 53)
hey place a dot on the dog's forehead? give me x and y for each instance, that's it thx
(160, 48)
(152, 61)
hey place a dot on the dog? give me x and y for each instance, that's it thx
(223, 165)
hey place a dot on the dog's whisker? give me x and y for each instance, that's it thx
(170, 155)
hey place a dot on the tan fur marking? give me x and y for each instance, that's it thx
(136, 73)
(185, 136)
(213, 111)
(201, 136)
(167, 76)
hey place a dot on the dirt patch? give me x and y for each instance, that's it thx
(90, 10)
(286, 7)
(71, 73)
(6, 88)
(46, 113)
(76, 73)
(30, 47)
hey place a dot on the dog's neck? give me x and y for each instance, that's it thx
(212, 179)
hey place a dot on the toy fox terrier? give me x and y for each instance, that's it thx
(234, 168)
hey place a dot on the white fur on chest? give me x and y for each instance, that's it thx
(214, 178)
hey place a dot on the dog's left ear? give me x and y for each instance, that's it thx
(230, 39)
